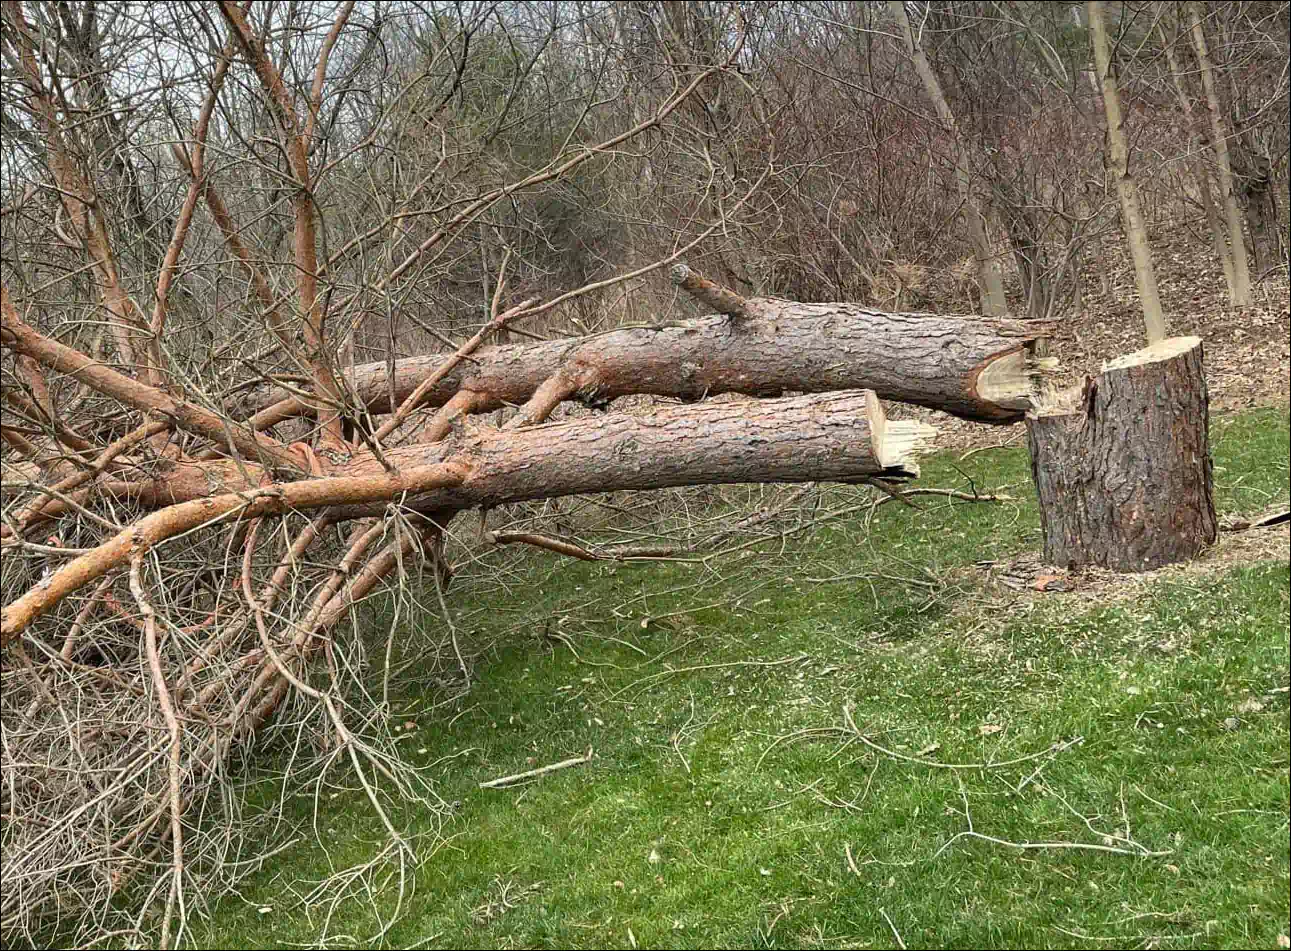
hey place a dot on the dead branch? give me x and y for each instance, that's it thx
(535, 773)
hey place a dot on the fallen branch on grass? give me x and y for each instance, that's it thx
(1083, 846)
(1055, 749)
(903, 495)
(971, 833)
(503, 781)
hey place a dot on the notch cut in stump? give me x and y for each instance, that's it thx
(1122, 465)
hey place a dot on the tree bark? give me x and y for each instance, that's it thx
(839, 437)
(1219, 143)
(975, 368)
(1124, 476)
(1261, 214)
(1218, 235)
(1136, 232)
(990, 284)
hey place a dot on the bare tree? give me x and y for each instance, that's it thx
(1119, 155)
(990, 285)
(1201, 174)
(1219, 143)
(197, 498)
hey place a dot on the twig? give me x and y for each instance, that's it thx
(502, 781)
(677, 737)
(949, 493)
(1055, 749)
(176, 894)
(1083, 846)
(438, 554)
(557, 545)
(890, 492)
(1006, 444)
(686, 670)
(896, 934)
(789, 737)
(971, 833)
(851, 862)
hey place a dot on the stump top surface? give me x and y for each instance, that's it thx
(1161, 350)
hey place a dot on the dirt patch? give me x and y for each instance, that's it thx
(1017, 586)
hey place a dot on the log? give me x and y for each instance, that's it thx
(1122, 465)
(977, 368)
(816, 438)
(829, 437)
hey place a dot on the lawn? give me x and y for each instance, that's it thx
(857, 738)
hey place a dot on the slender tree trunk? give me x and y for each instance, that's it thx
(990, 284)
(1258, 193)
(1219, 142)
(1199, 170)
(1118, 152)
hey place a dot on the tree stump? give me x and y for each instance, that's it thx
(1122, 465)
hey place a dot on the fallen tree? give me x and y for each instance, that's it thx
(179, 576)
(977, 368)
(839, 437)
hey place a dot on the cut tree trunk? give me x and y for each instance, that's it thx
(973, 367)
(1122, 466)
(839, 436)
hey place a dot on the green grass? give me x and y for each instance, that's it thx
(726, 793)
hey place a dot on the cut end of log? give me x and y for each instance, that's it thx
(1018, 381)
(896, 443)
(1161, 350)
(1007, 381)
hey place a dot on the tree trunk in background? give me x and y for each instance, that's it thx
(1261, 208)
(1118, 151)
(989, 283)
(1122, 467)
(1219, 142)
(1218, 235)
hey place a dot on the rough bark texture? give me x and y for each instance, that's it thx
(972, 367)
(837, 436)
(1125, 478)
(840, 436)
